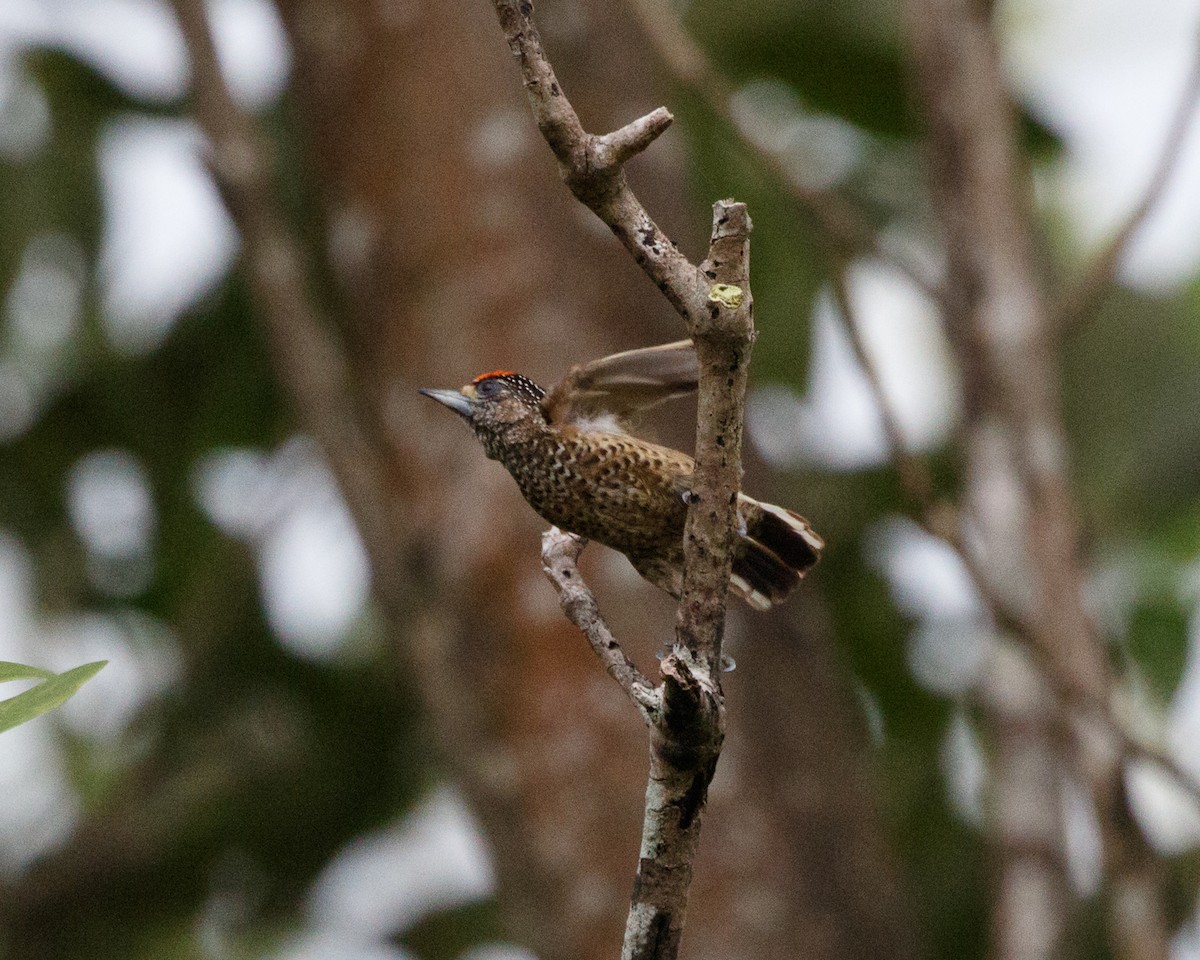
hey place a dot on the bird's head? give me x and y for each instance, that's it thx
(499, 406)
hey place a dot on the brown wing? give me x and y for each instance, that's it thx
(624, 383)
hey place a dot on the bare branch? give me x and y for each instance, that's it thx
(591, 167)
(555, 116)
(723, 335)
(915, 476)
(560, 558)
(686, 741)
(845, 228)
(682, 763)
(714, 301)
(1079, 299)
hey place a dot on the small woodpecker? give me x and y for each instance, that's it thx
(573, 462)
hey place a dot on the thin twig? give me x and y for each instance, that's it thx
(560, 559)
(714, 301)
(1078, 301)
(916, 479)
(844, 226)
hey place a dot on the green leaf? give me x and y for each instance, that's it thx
(1158, 641)
(18, 671)
(450, 933)
(47, 695)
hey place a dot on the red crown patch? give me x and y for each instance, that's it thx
(494, 373)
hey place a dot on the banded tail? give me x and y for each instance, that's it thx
(776, 548)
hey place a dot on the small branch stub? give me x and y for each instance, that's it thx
(617, 148)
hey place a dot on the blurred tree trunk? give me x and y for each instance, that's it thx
(456, 251)
(1021, 503)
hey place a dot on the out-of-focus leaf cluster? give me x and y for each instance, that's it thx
(255, 767)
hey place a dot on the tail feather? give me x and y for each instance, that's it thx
(759, 577)
(777, 548)
(784, 532)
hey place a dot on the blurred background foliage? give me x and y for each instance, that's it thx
(151, 477)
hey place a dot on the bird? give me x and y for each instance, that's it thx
(570, 454)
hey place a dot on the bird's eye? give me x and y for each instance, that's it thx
(488, 389)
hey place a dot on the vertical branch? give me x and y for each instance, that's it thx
(687, 741)
(1025, 810)
(1000, 324)
(723, 335)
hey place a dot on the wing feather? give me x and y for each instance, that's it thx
(624, 383)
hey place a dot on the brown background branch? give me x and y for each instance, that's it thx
(310, 362)
(1002, 327)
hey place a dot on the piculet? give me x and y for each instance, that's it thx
(568, 452)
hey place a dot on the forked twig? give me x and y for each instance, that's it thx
(560, 559)
(686, 711)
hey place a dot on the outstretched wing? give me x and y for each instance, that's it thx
(624, 383)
